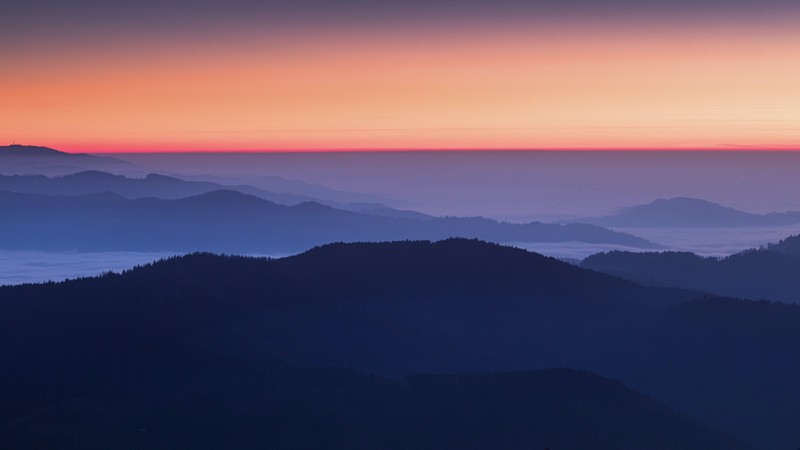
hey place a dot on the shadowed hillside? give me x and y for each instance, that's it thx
(789, 246)
(761, 274)
(454, 306)
(262, 407)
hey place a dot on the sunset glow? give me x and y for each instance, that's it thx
(509, 86)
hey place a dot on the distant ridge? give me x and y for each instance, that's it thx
(351, 200)
(34, 150)
(232, 222)
(152, 185)
(690, 213)
(168, 187)
(31, 159)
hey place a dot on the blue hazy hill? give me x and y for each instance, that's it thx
(233, 222)
(690, 213)
(30, 159)
(169, 187)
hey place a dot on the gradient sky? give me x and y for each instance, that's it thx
(172, 75)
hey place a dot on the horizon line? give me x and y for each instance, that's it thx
(741, 149)
(155, 150)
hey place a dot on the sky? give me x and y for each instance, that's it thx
(246, 75)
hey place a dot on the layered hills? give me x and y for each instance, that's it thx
(766, 273)
(396, 309)
(30, 159)
(232, 222)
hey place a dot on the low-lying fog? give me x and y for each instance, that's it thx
(18, 267)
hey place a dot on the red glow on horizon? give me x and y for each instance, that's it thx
(732, 148)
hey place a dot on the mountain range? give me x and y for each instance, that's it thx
(188, 332)
(690, 213)
(80, 173)
(767, 273)
(407, 344)
(152, 185)
(30, 159)
(233, 222)
(278, 184)
(166, 187)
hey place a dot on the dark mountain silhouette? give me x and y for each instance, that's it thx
(232, 222)
(254, 408)
(455, 306)
(690, 212)
(717, 357)
(27, 159)
(199, 340)
(789, 246)
(759, 274)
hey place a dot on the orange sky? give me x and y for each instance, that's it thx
(514, 87)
